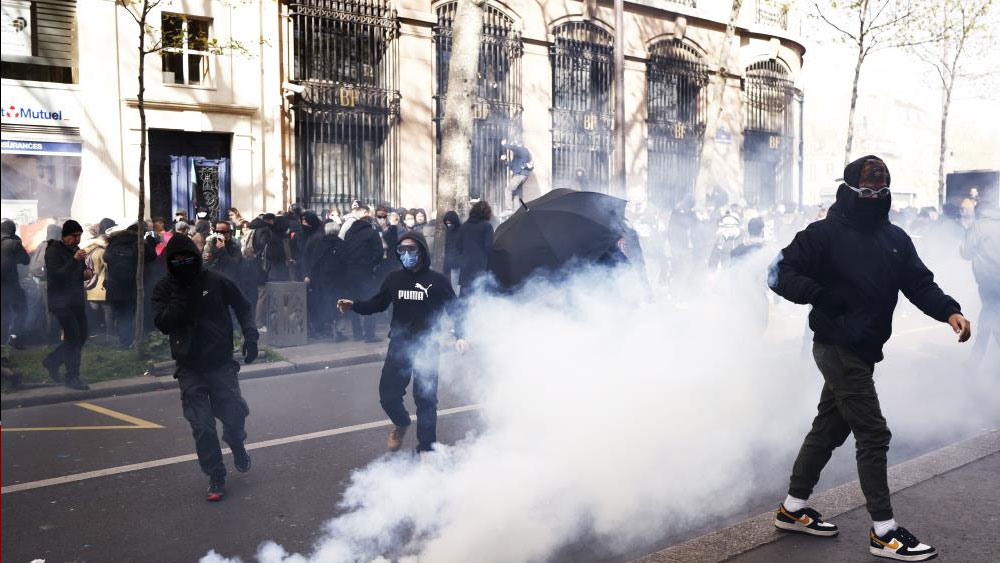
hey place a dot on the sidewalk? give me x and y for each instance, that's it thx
(313, 356)
(948, 498)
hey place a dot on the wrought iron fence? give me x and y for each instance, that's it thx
(676, 108)
(345, 57)
(768, 133)
(498, 92)
(773, 14)
(582, 122)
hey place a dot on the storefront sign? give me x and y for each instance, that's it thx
(37, 105)
(11, 146)
(21, 211)
(15, 28)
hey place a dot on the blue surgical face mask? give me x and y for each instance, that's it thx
(409, 259)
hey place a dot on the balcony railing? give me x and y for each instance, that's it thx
(772, 14)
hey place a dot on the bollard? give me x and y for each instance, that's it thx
(286, 314)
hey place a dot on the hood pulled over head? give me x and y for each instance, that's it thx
(864, 213)
(425, 257)
(179, 245)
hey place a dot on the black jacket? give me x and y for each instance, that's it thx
(475, 243)
(417, 297)
(12, 254)
(362, 254)
(866, 267)
(452, 257)
(326, 264)
(64, 276)
(227, 260)
(121, 257)
(196, 315)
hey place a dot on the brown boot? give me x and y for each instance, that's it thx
(395, 440)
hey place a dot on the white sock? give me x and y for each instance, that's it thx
(793, 504)
(883, 527)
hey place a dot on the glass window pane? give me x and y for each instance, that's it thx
(173, 68)
(197, 69)
(173, 31)
(198, 35)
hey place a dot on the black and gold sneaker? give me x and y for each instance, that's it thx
(899, 544)
(805, 521)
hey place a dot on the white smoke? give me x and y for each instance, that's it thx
(610, 416)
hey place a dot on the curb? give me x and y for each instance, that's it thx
(129, 386)
(724, 544)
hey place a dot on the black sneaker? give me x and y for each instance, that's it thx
(75, 383)
(52, 366)
(900, 545)
(805, 521)
(216, 488)
(241, 459)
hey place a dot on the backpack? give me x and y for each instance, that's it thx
(37, 265)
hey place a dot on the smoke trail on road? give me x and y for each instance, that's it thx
(610, 416)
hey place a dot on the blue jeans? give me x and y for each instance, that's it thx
(401, 365)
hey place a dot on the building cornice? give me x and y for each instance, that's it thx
(165, 105)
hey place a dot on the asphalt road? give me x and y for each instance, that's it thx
(158, 513)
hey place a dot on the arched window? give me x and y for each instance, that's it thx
(498, 92)
(676, 109)
(582, 120)
(345, 117)
(768, 134)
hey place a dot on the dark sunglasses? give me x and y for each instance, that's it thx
(404, 248)
(183, 261)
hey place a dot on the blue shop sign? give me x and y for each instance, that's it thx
(11, 146)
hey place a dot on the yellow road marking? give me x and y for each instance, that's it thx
(134, 422)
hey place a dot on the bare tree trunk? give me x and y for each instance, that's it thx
(854, 103)
(943, 149)
(716, 101)
(139, 330)
(457, 125)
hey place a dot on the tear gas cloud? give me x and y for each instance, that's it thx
(618, 418)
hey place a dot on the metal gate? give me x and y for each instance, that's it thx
(498, 98)
(346, 145)
(676, 108)
(768, 134)
(582, 121)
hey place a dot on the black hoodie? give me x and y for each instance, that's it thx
(865, 264)
(196, 313)
(12, 253)
(417, 296)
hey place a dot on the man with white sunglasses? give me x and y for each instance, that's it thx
(851, 267)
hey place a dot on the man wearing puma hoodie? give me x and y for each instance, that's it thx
(418, 296)
(191, 305)
(851, 267)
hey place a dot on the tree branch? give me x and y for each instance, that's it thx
(823, 17)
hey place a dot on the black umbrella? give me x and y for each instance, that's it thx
(548, 232)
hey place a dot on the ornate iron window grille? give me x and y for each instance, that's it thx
(582, 119)
(772, 14)
(676, 108)
(498, 92)
(768, 133)
(346, 143)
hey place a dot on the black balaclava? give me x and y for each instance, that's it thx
(183, 247)
(866, 213)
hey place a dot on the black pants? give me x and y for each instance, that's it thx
(123, 313)
(848, 404)
(406, 360)
(73, 320)
(205, 396)
(14, 310)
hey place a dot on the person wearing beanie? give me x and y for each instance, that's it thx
(12, 296)
(851, 267)
(66, 273)
(192, 305)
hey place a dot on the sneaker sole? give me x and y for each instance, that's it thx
(214, 498)
(800, 529)
(890, 555)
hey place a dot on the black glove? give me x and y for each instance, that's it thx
(249, 351)
(832, 302)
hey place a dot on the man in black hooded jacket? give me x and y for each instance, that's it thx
(363, 254)
(12, 297)
(850, 267)
(66, 271)
(418, 296)
(192, 305)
